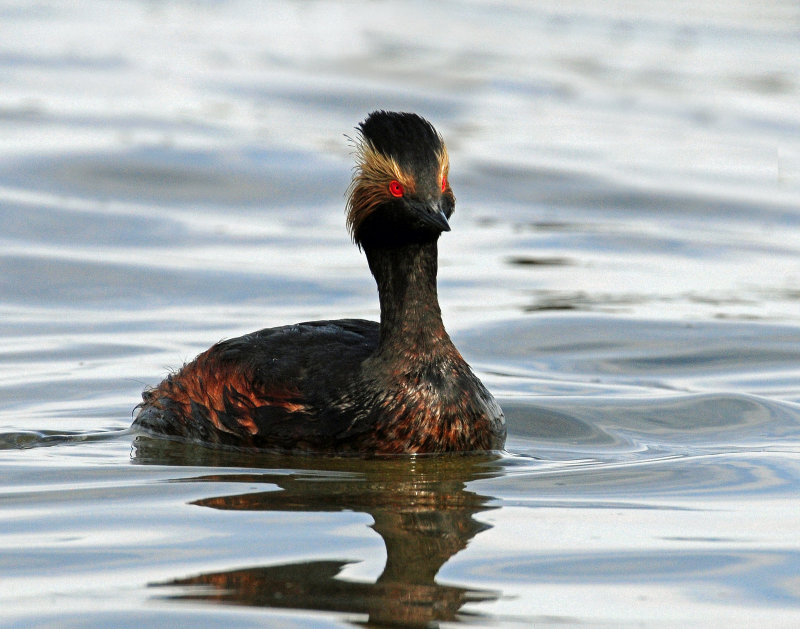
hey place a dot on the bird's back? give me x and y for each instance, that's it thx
(278, 388)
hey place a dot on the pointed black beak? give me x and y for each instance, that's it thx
(432, 216)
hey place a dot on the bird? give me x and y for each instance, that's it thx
(351, 386)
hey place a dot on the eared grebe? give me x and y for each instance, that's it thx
(352, 386)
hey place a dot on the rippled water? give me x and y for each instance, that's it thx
(623, 272)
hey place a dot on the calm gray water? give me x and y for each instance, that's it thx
(623, 272)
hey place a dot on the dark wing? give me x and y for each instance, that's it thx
(271, 389)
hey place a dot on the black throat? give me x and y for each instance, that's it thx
(411, 326)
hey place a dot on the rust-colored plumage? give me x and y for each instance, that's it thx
(351, 386)
(222, 394)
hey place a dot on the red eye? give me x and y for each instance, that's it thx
(444, 184)
(396, 188)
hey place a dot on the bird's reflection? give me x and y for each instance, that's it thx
(420, 506)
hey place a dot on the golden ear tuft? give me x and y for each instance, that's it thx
(444, 166)
(372, 176)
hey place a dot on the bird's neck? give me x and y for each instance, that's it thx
(411, 320)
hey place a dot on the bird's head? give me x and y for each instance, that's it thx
(400, 192)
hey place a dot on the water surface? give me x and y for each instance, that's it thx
(623, 273)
